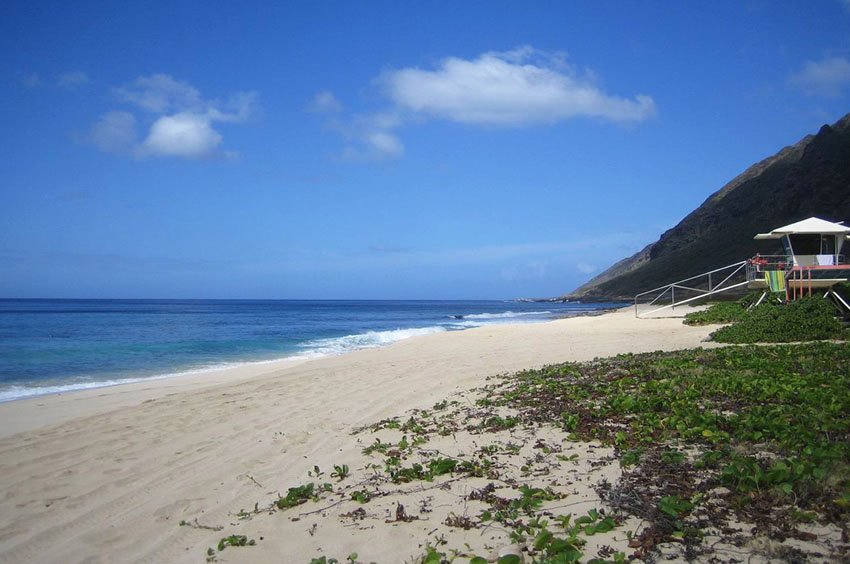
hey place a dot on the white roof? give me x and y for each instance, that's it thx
(812, 225)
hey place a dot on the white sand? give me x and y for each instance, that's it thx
(106, 475)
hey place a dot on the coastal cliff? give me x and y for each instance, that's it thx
(810, 178)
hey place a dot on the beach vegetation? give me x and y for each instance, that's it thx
(440, 466)
(717, 313)
(391, 423)
(631, 456)
(806, 319)
(547, 546)
(235, 540)
(297, 495)
(413, 425)
(341, 472)
(433, 556)
(569, 421)
(532, 498)
(497, 423)
(361, 496)
(377, 446)
(707, 437)
(196, 525)
(400, 474)
(672, 457)
(594, 522)
(351, 559)
(769, 423)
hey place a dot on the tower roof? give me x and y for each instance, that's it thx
(813, 225)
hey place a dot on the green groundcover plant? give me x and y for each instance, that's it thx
(770, 423)
(721, 312)
(806, 319)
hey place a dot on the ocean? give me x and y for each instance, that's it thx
(50, 346)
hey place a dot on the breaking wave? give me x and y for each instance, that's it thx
(503, 315)
(367, 340)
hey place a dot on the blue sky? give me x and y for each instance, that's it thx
(384, 149)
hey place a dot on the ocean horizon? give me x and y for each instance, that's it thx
(59, 345)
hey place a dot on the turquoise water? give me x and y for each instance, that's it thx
(48, 346)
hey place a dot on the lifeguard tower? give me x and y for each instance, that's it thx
(813, 259)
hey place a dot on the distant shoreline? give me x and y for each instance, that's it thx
(71, 345)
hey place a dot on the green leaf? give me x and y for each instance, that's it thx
(543, 539)
(583, 520)
(432, 557)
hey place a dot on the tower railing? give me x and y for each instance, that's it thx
(692, 289)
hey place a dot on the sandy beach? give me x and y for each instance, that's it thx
(108, 475)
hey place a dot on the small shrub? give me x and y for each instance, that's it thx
(806, 319)
(721, 312)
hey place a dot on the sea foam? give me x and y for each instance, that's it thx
(504, 315)
(367, 340)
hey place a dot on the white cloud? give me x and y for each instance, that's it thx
(181, 135)
(826, 78)
(160, 93)
(384, 144)
(515, 88)
(374, 146)
(519, 87)
(183, 124)
(239, 108)
(72, 80)
(115, 132)
(371, 137)
(325, 102)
